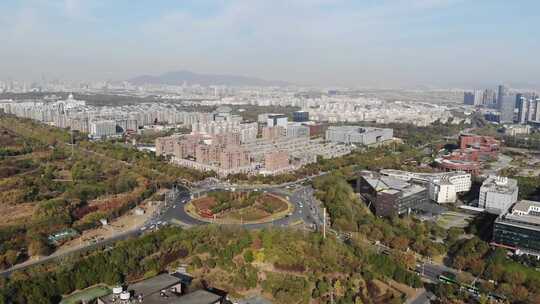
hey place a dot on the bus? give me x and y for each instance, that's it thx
(447, 279)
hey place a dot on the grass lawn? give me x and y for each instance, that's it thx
(86, 295)
(248, 214)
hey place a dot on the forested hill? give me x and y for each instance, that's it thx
(288, 266)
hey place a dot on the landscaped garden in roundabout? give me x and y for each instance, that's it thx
(239, 207)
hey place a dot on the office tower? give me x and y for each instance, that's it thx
(468, 98)
(501, 92)
(300, 116)
(507, 105)
(523, 110)
(478, 95)
(518, 99)
(489, 98)
(533, 110)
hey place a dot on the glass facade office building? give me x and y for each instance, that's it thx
(517, 234)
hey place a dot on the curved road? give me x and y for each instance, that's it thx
(304, 204)
(306, 209)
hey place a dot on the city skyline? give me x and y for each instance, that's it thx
(378, 44)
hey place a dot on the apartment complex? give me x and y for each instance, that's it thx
(227, 154)
(276, 162)
(97, 121)
(221, 153)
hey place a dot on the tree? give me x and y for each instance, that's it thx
(405, 259)
(248, 256)
(338, 288)
(38, 246)
(477, 266)
(514, 277)
(400, 243)
(520, 293)
(10, 257)
(460, 262)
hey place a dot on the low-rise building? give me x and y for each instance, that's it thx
(497, 194)
(484, 146)
(519, 229)
(443, 187)
(390, 196)
(161, 289)
(296, 130)
(102, 128)
(514, 130)
(358, 135)
(453, 165)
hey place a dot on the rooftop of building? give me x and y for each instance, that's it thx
(390, 185)
(277, 116)
(520, 215)
(425, 175)
(500, 184)
(359, 129)
(197, 297)
(149, 287)
(156, 291)
(525, 206)
(457, 162)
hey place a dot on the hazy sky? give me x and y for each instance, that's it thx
(360, 42)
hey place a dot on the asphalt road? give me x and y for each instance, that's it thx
(74, 251)
(305, 206)
(433, 271)
(422, 298)
(172, 212)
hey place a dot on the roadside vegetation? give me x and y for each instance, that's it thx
(288, 266)
(494, 271)
(49, 186)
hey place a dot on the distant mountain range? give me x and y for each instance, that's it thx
(180, 77)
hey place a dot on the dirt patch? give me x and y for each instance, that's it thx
(17, 213)
(206, 202)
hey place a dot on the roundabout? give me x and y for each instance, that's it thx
(302, 208)
(238, 207)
